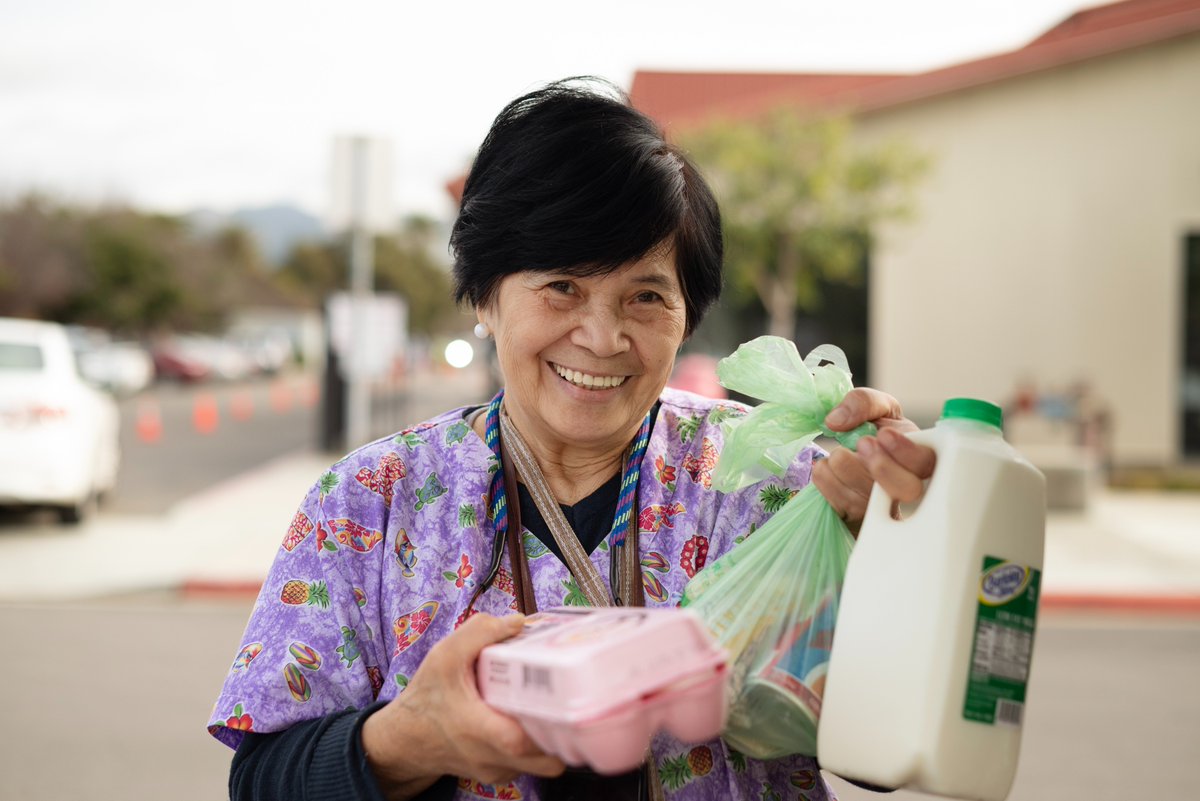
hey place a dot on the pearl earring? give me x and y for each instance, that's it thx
(482, 331)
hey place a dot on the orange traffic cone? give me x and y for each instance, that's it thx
(281, 396)
(241, 406)
(204, 413)
(310, 393)
(148, 425)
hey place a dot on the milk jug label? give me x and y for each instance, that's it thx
(1006, 615)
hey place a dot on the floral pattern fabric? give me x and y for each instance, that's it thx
(384, 553)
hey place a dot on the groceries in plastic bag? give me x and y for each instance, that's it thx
(591, 686)
(771, 602)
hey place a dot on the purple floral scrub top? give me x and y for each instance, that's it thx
(382, 557)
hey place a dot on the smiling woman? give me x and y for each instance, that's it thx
(584, 358)
(590, 248)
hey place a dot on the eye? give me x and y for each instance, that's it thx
(560, 286)
(648, 297)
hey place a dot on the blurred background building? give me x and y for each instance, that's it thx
(1055, 245)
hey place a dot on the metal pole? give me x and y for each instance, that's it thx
(358, 390)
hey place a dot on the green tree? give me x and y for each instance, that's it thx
(41, 262)
(314, 270)
(404, 263)
(126, 270)
(130, 284)
(799, 203)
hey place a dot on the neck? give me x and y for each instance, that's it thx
(573, 476)
(572, 470)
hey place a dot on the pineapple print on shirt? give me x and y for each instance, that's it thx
(677, 771)
(301, 593)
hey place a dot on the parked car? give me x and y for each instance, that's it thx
(122, 368)
(225, 360)
(173, 362)
(58, 435)
(269, 350)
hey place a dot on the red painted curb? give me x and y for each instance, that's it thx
(1164, 604)
(1052, 602)
(228, 589)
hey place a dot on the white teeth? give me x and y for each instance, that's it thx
(590, 381)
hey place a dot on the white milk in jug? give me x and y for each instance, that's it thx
(931, 652)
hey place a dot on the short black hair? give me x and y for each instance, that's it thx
(571, 177)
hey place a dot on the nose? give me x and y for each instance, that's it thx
(600, 328)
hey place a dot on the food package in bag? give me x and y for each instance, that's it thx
(771, 602)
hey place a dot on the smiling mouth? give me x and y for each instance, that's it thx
(586, 381)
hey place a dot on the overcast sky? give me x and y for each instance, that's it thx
(230, 103)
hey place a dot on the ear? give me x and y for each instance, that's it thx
(485, 313)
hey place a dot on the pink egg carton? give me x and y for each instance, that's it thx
(592, 686)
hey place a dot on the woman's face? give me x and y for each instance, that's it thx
(584, 359)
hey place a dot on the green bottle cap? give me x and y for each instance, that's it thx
(972, 409)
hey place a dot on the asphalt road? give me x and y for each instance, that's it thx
(251, 422)
(108, 700)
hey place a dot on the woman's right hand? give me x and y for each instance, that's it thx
(440, 726)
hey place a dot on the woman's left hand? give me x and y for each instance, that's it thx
(890, 458)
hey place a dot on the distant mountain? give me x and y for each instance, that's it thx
(276, 228)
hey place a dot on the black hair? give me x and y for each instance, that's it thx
(571, 177)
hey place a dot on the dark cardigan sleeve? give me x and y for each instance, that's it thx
(315, 759)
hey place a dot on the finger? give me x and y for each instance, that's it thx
(902, 425)
(851, 471)
(505, 772)
(844, 482)
(861, 405)
(506, 743)
(917, 459)
(898, 482)
(546, 765)
(503, 736)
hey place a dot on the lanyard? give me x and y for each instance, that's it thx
(624, 572)
(624, 565)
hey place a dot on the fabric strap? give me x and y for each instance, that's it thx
(522, 583)
(586, 575)
(626, 564)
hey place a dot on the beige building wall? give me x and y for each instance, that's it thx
(1049, 241)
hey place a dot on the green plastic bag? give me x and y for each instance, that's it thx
(772, 601)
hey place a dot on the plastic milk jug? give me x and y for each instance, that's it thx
(931, 651)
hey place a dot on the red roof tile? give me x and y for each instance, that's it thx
(1113, 15)
(1085, 35)
(679, 99)
(683, 98)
